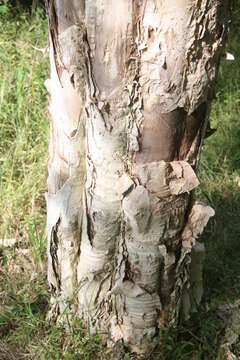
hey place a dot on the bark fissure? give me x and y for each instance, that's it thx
(54, 257)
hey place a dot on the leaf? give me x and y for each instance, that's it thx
(4, 9)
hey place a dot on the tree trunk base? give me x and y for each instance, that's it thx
(131, 85)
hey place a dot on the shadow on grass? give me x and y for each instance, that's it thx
(222, 241)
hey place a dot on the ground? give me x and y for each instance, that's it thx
(24, 330)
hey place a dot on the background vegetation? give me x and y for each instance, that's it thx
(24, 331)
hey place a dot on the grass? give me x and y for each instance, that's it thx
(24, 331)
(23, 122)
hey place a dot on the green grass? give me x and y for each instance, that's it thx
(23, 122)
(220, 181)
(24, 331)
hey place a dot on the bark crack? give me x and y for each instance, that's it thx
(54, 245)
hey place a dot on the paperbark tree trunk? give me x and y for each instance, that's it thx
(131, 85)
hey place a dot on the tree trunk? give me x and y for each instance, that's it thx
(131, 85)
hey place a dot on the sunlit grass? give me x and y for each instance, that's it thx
(23, 122)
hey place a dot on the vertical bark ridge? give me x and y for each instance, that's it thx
(131, 84)
(109, 119)
(66, 165)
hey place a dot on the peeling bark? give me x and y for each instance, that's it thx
(131, 85)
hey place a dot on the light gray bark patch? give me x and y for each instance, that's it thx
(193, 291)
(155, 177)
(155, 214)
(105, 185)
(197, 220)
(206, 37)
(127, 288)
(183, 178)
(136, 206)
(63, 228)
(181, 57)
(66, 147)
(167, 275)
(164, 179)
(73, 47)
(125, 185)
(135, 114)
(110, 40)
(64, 14)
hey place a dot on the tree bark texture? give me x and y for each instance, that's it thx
(131, 85)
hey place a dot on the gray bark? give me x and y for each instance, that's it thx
(131, 85)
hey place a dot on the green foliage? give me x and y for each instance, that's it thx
(24, 330)
(3, 9)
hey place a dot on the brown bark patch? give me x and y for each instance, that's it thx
(161, 135)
